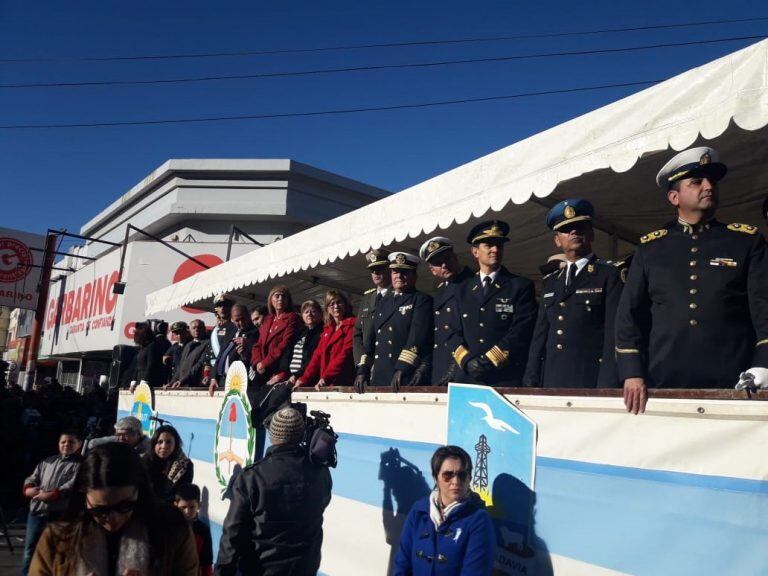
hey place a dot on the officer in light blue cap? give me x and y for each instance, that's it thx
(573, 345)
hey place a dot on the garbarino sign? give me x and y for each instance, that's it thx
(21, 259)
(83, 314)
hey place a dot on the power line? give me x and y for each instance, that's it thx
(319, 71)
(325, 112)
(435, 42)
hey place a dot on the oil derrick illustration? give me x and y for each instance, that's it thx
(480, 479)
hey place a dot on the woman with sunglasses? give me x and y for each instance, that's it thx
(332, 363)
(448, 532)
(167, 464)
(114, 526)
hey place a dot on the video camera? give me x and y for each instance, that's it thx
(319, 437)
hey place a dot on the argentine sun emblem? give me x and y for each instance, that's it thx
(143, 408)
(235, 438)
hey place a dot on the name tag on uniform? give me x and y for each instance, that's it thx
(589, 291)
(549, 295)
(404, 309)
(727, 262)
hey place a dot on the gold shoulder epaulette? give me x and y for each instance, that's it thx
(745, 228)
(370, 291)
(655, 235)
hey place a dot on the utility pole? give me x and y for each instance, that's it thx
(39, 321)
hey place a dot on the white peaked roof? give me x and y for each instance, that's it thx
(609, 156)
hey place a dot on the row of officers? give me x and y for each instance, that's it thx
(688, 310)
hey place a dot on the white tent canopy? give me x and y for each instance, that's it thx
(609, 156)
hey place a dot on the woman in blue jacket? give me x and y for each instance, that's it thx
(448, 533)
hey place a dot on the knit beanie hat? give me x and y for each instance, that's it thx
(286, 427)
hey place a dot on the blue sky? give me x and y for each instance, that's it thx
(61, 178)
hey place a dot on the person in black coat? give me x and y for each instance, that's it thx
(193, 357)
(149, 360)
(573, 344)
(296, 358)
(439, 367)
(239, 347)
(224, 330)
(378, 265)
(274, 525)
(497, 314)
(694, 311)
(402, 333)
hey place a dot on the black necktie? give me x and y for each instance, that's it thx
(486, 285)
(571, 275)
(378, 298)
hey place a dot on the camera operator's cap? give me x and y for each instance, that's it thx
(129, 424)
(568, 211)
(286, 427)
(434, 246)
(489, 230)
(403, 261)
(701, 161)
(179, 326)
(222, 300)
(376, 258)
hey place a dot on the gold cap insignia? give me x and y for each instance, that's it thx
(400, 258)
(705, 159)
(432, 246)
(372, 256)
(569, 212)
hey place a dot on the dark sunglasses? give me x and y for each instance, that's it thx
(101, 512)
(449, 475)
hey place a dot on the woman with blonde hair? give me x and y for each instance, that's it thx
(277, 334)
(332, 363)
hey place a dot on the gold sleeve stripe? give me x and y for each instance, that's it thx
(408, 357)
(364, 360)
(497, 356)
(627, 351)
(459, 354)
(761, 342)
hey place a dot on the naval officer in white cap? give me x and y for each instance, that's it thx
(694, 311)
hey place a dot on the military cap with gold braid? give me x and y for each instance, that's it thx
(434, 246)
(489, 230)
(403, 261)
(701, 161)
(569, 211)
(376, 258)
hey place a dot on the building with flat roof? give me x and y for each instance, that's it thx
(196, 206)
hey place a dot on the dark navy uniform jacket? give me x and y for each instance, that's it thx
(363, 322)
(498, 326)
(446, 318)
(694, 311)
(573, 344)
(401, 337)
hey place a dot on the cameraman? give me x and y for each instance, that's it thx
(275, 521)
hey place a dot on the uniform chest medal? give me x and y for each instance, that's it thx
(727, 262)
(503, 306)
(404, 309)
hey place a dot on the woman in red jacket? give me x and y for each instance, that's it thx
(277, 335)
(332, 363)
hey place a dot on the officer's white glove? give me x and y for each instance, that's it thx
(754, 378)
